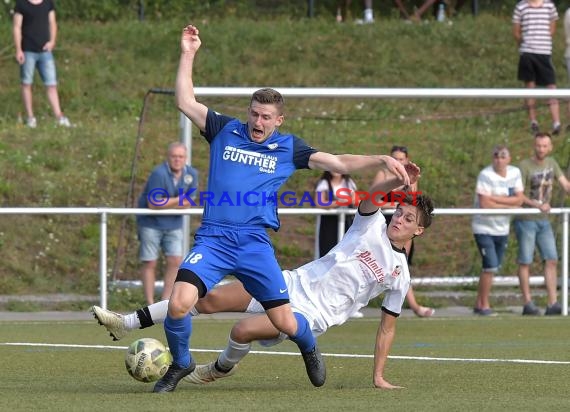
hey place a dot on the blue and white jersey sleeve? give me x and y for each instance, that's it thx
(214, 123)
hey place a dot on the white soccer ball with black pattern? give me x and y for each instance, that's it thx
(147, 360)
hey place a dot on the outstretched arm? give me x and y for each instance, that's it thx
(384, 339)
(349, 163)
(185, 98)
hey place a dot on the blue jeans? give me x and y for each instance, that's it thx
(492, 248)
(531, 233)
(45, 63)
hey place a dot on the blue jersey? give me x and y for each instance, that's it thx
(161, 178)
(245, 176)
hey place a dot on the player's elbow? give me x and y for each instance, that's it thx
(181, 102)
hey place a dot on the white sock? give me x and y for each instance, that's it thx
(158, 311)
(233, 353)
(368, 15)
(147, 316)
(131, 321)
(154, 313)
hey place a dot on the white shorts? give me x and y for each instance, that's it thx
(300, 303)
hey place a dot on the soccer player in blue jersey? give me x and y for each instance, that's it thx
(252, 157)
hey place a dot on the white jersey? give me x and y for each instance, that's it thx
(489, 183)
(328, 291)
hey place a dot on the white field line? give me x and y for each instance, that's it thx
(331, 355)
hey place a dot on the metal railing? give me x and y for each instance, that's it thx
(105, 212)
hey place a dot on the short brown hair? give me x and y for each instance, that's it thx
(425, 207)
(542, 134)
(269, 96)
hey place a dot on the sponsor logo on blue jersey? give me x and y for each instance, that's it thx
(266, 163)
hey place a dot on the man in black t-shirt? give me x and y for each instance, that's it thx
(35, 32)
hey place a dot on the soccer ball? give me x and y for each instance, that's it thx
(147, 360)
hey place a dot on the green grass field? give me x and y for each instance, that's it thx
(507, 363)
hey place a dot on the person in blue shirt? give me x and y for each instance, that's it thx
(248, 164)
(165, 232)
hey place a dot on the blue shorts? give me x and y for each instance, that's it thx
(152, 241)
(535, 232)
(246, 253)
(46, 67)
(492, 248)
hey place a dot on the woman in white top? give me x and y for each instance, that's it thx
(328, 189)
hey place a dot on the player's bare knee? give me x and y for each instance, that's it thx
(241, 333)
(177, 309)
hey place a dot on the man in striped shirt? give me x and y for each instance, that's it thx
(534, 23)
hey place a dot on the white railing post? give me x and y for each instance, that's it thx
(186, 138)
(103, 261)
(565, 263)
(341, 224)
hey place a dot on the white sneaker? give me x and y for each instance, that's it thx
(112, 321)
(207, 373)
(63, 121)
(31, 122)
(357, 315)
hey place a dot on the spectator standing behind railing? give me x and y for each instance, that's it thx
(499, 186)
(164, 233)
(326, 189)
(538, 175)
(35, 31)
(534, 24)
(567, 55)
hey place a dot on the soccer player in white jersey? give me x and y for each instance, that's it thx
(368, 261)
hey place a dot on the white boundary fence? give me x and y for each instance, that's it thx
(103, 214)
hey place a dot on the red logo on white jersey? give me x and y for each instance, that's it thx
(397, 271)
(368, 260)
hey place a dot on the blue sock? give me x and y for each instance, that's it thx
(178, 333)
(304, 337)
